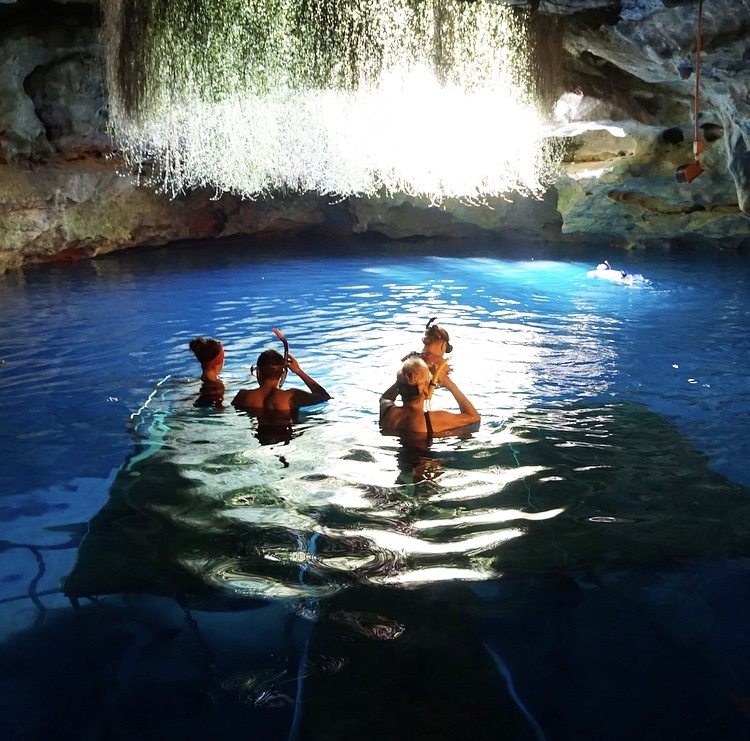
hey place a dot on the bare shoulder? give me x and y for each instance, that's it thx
(246, 399)
(391, 415)
(443, 421)
(281, 400)
(386, 405)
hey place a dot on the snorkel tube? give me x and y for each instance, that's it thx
(436, 378)
(436, 375)
(433, 384)
(286, 355)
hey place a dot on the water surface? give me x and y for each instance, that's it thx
(591, 533)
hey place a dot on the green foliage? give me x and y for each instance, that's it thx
(161, 50)
(165, 49)
(338, 96)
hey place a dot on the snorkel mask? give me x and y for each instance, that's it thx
(433, 330)
(268, 360)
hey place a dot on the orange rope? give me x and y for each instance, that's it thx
(697, 144)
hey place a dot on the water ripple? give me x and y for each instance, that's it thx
(604, 434)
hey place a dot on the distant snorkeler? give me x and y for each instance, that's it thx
(210, 354)
(606, 272)
(436, 343)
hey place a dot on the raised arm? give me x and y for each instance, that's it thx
(315, 395)
(467, 415)
(388, 401)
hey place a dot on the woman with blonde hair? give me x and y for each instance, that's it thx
(414, 383)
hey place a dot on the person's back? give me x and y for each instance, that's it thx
(269, 398)
(413, 383)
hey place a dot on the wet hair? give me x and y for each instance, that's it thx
(436, 332)
(413, 378)
(205, 349)
(270, 358)
(270, 361)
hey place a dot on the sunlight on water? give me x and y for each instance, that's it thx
(435, 101)
(572, 460)
(165, 566)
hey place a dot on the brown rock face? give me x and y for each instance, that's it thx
(625, 115)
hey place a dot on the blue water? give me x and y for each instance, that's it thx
(575, 568)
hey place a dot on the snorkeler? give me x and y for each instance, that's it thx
(269, 397)
(605, 271)
(413, 384)
(436, 342)
(606, 266)
(210, 354)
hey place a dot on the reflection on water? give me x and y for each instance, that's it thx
(423, 607)
(575, 568)
(209, 508)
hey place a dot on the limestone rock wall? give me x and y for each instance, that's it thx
(84, 208)
(625, 117)
(63, 194)
(625, 182)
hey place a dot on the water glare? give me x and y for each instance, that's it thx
(577, 567)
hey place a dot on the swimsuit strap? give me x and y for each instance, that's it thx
(428, 423)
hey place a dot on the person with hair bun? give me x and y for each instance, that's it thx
(413, 384)
(210, 354)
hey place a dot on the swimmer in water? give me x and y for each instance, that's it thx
(436, 343)
(605, 271)
(210, 354)
(413, 384)
(269, 398)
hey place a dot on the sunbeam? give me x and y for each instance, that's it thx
(431, 98)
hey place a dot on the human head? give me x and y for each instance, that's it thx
(210, 352)
(270, 364)
(413, 379)
(435, 333)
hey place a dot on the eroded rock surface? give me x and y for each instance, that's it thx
(625, 116)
